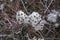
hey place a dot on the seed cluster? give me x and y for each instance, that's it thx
(35, 19)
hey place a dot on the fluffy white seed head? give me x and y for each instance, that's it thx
(52, 17)
(35, 18)
(36, 21)
(20, 16)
